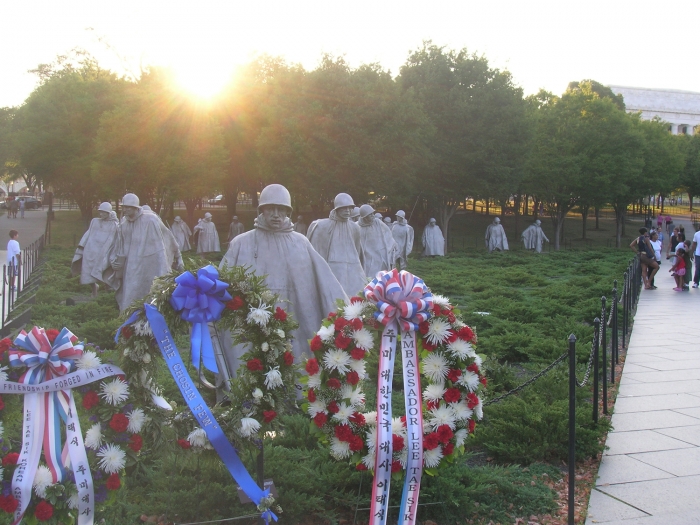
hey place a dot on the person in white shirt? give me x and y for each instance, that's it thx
(696, 250)
(14, 257)
(658, 246)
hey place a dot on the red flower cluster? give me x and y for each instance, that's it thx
(444, 434)
(312, 367)
(90, 400)
(8, 503)
(288, 358)
(43, 511)
(135, 443)
(52, 334)
(333, 383)
(113, 482)
(311, 395)
(452, 395)
(316, 344)
(280, 314)
(235, 304)
(5, 345)
(119, 423)
(184, 444)
(127, 332)
(431, 441)
(397, 443)
(254, 365)
(10, 459)
(333, 407)
(2, 403)
(320, 419)
(269, 415)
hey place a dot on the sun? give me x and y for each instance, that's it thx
(202, 81)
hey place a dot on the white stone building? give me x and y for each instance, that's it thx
(681, 109)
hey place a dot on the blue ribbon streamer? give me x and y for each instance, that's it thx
(201, 411)
(200, 300)
(131, 320)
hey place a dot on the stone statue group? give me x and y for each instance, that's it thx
(533, 237)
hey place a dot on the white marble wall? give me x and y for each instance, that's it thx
(681, 109)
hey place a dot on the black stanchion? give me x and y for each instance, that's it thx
(596, 351)
(613, 327)
(604, 344)
(572, 425)
(625, 294)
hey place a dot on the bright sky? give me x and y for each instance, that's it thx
(544, 43)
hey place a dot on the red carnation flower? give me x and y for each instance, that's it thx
(451, 317)
(341, 341)
(467, 334)
(127, 332)
(52, 334)
(340, 323)
(43, 511)
(472, 400)
(397, 443)
(2, 403)
(136, 442)
(90, 400)
(472, 426)
(358, 419)
(8, 503)
(360, 466)
(332, 315)
(269, 415)
(333, 383)
(352, 378)
(357, 353)
(280, 314)
(454, 374)
(288, 358)
(452, 337)
(432, 405)
(448, 449)
(431, 441)
(428, 345)
(403, 421)
(311, 395)
(320, 419)
(5, 345)
(355, 299)
(452, 395)
(444, 434)
(424, 327)
(473, 368)
(119, 422)
(113, 482)
(333, 407)
(312, 367)
(396, 466)
(316, 344)
(343, 432)
(436, 309)
(357, 324)
(184, 444)
(446, 311)
(254, 365)
(10, 459)
(235, 304)
(482, 380)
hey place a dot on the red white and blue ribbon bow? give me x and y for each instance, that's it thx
(200, 300)
(403, 302)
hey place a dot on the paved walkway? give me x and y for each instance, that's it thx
(650, 473)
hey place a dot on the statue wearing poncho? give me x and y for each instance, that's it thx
(89, 258)
(182, 233)
(208, 239)
(294, 271)
(433, 240)
(403, 235)
(378, 245)
(337, 240)
(533, 237)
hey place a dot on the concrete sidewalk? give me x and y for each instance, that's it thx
(650, 473)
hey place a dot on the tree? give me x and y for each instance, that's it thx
(690, 176)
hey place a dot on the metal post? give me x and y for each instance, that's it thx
(613, 346)
(604, 344)
(625, 293)
(4, 292)
(572, 425)
(596, 351)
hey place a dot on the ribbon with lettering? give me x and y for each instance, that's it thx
(202, 414)
(403, 302)
(200, 300)
(48, 400)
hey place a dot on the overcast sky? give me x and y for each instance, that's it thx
(544, 43)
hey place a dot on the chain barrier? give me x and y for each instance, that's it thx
(587, 375)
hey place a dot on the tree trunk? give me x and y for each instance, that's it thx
(488, 205)
(584, 216)
(690, 199)
(661, 198)
(536, 210)
(191, 206)
(231, 200)
(474, 204)
(516, 208)
(446, 211)
(597, 218)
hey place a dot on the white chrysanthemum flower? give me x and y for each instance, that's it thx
(2, 472)
(353, 310)
(461, 411)
(368, 460)
(363, 339)
(435, 367)
(115, 391)
(461, 437)
(359, 366)
(355, 396)
(73, 501)
(137, 417)
(431, 458)
(340, 449)
(146, 358)
(249, 427)
(257, 394)
(461, 349)
(316, 407)
(371, 418)
(314, 381)
(273, 379)
(264, 347)
(403, 456)
(442, 416)
(438, 332)
(469, 379)
(42, 480)
(344, 413)
(326, 333)
(280, 333)
(88, 361)
(142, 327)
(478, 361)
(112, 458)
(93, 437)
(3, 373)
(2, 431)
(440, 300)
(434, 392)
(427, 427)
(479, 410)
(260, 315)
(371, 440)
(198, 438)
(459, 323)
(337, 360)
(397, 427)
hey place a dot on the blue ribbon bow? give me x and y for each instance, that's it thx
(200, 300)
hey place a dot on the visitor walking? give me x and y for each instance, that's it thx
(14, 257)
(678, 269)
(656, 243)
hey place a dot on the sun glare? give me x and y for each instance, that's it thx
(202, 82)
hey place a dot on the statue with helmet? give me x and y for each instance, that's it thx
(89, 258)
(403, 235)
(146, 249)
(496, 236)
(292, 269)
(207, 236)
(433, 240)
(182, 233)
(378, 245)
(235, 229)
(300, 225)
(533, 237)
(337, 240)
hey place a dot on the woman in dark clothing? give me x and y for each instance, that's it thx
(643, 247)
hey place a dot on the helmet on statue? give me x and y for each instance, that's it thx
(343, 200)
(365, 210)
(275, 194)
(105, 206)
(130, 200)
